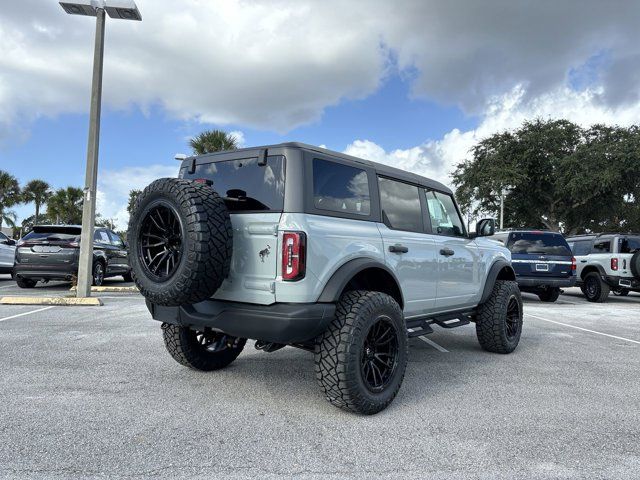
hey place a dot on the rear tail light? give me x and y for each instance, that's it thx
(573, 264)
(614, 264)
(293, 255)
(204, 181)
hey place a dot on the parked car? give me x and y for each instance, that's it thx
(51, 252)
(7, 253)
(607, 262)
(542, 260)
(333, 254)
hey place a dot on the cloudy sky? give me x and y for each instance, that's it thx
(410, 83)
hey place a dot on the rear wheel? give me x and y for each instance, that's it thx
(201, 350)
(549, 294)
(25, 282)
(362, 357)
(499, 319)
(594, 289)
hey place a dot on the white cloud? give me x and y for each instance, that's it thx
(277, 64)
(114, 187)
(437, 159)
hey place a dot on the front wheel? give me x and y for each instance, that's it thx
(201, 350)
(549, 295)
(499, 319)
(362, 356)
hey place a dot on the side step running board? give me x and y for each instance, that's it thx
(417, 327)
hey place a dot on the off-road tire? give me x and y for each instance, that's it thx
(600, 291)
(25, 282)
(206, 236)
(339, 351)
(497, 332)
(634, 264)
(182, 345)
(549, 295)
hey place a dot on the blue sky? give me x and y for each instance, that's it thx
(412, 83)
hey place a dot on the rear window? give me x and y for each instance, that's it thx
(51, 235)
(580, 247)
(245, 185)
(629, 244)
(538, 243)
(340, 188)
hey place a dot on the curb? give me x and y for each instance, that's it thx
(110, 289)
(62, 301)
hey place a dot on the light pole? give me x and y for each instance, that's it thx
(125, 10)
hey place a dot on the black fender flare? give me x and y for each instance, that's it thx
(342, 276)
(590, 268)
(492, 276)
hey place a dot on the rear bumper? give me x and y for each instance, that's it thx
(615, 281)
(542, 282)
(279, 323)
(45, 272)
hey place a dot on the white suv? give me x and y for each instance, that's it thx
(607, 262)
(296, 245)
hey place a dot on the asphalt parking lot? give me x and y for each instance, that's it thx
(90, 392)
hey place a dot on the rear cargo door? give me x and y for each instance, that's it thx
(49, 246)
(253, 190)
(540, 254)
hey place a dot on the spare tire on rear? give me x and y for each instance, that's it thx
(180, 242)
(635, 264)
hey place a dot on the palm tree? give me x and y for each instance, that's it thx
(9, 195)
(213, 141)
(65, 206)
(36, 191)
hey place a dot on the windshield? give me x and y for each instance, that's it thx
(538, 243)
(245, 185)
(629, 244)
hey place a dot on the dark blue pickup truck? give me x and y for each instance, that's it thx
(542, 260)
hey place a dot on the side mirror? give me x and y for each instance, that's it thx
(485, 227)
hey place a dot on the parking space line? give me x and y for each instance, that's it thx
(584, 329)
(25, 313)
(7, 286)
(434, 345)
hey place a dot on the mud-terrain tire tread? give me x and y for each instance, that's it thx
(206, 259)
(181, 346)
(491, 318)
(603, 290)
(337, 358)
(549, 295)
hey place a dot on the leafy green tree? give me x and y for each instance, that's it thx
(9, 196)
(101, 221)
(555, 175)
(211, 141)
(38, 192)
(133, 196)
(65, 206)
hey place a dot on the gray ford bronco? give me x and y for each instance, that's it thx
(295, 245)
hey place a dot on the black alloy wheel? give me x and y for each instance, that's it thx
(160, 246)
(591, 286)
(379, 357)
(513, 318)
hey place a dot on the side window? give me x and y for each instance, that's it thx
(116, 240)
(601, 246)
(400, 204)
(340, 188)
(101, 236)
(445, 219)
(580, 247)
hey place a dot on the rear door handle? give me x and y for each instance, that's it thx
(397, 248)
(447, 252)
